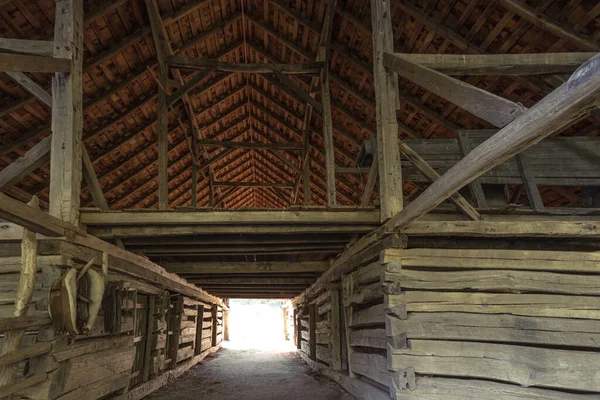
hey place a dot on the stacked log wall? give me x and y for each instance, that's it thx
(142, 337)
(488, 323)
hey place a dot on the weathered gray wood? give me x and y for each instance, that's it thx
(557, 110)
(27, 280)
(33, 63)
(291, 218)
(533, 193)
(546, 23)
(370, 185)
(502, 328)
(30, 47)
(161, 43)
(373, 366)
(500, 281)
(500, 64)
(254, 184)
(329, 143)
(374, 315)
(532, 260)
(256, 68)
(485, 105)
(187, 267)
(35, 157)
(67, 113)
(92, 181)
(429, 388)
(475, 186)
(540, 305)
(40, 93)
(526, 366)
(386, 88)
(463, 205)
(312, 331)
(375, 338)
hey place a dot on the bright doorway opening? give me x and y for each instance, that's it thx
(260, 324)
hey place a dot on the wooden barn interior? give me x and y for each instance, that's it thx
(421, 178)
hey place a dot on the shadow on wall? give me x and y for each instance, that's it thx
(258, 324)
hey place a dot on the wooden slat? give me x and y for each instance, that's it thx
(502, 328)
(27, 47)
(500, 64)
(266, 68)
(526, 366)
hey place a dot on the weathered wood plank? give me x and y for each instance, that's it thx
(500, 64)
(496, 328)
(540, 305)
(526, 366)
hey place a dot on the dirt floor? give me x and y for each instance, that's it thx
(240, 374)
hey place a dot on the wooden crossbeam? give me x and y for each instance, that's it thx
(250, 145)
(43, 48)
(544, 22)
(192, 267)
(500, 64)
(256, 68)
(487, 106)
(556, 111)
(30, 63)
(253, 184)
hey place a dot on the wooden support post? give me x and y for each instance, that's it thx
(176, 328)
(214, 325)
(199, 321)
(370, 185)
(162, 128)
(533, 193)
(149, 334)
(194, 185)
(386, 86)
(225, 324)
(284, 313)
(336, 347)
(312, 330)
(67, 113)
(12, 339)
(296, 327)
(324, 42)
(92, 181)
(475, 187)
(329, 143)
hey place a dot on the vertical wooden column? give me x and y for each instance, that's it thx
(284, 312)
(176, 328)
(199, 321)
(225, 324)
(386, 86)
(214, 325)
(149, 335)
(194, 185)
(312, 330)
(533, 193)
(67, 113)
(162, 50)
(328, 135)
(298, 330)
(336, 347)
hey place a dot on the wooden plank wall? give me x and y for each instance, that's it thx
(484, 323)
(151, 336)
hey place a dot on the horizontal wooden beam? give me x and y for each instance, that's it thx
(256, 68)
(500, 64)
(156, 218)
(27, 47)
(35, 220)
(487, 106)
(193, 267)
(254, 184)
(250, 145)
(28, 63)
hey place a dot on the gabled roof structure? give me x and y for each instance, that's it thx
(120, 85)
